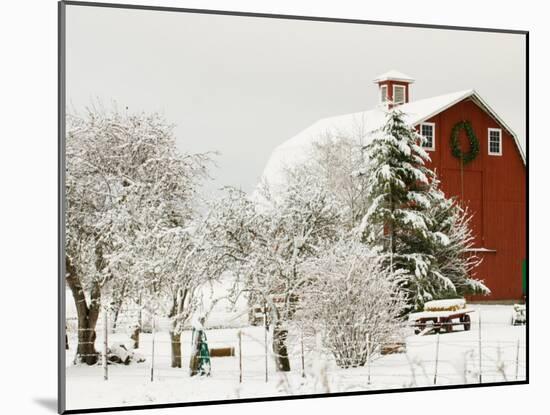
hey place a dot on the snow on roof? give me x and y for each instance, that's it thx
(393, 75)
(360, 126)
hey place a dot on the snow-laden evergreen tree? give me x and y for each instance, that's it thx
(401, 223)
(352, 300)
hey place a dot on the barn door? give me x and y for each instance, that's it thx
(467, 186)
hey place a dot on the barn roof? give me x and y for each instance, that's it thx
(361, 126)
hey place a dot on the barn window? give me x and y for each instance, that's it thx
(383, 94)
(398, 94)
(427, 130)
(495, 141)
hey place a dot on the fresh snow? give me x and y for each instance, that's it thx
(440, 313)
(393, 75)
(450, 304)
(458, 364)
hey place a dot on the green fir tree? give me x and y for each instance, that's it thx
(410, 223)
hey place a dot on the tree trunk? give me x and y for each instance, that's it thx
(117, 305)
(87, 315)
(116, 308)
(135, 336)
(86, 344)
(175, 341)
(137, 328)
(279, 348)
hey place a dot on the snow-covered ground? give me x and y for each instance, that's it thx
(458, 363)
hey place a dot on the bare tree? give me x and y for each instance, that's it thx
(179, 265)
(266, 240)
(334, 160)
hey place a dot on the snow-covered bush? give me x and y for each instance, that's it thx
(119, 353)
(352, 299)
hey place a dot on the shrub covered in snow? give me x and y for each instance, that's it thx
(119, 353)
(353, 300)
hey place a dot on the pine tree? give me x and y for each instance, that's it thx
(401, 223)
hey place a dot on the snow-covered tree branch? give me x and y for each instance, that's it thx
(125, 179)
(266, 240)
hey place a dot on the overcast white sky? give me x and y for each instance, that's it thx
(243, 85)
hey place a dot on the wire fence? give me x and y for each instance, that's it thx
(436, 355)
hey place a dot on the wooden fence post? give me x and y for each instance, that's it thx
(240, 357)
(368, 358)
(479, 347)
(517, 359)
(303, 359)
(436, 359)
(265, 339)
(105, 344)
(153, 347)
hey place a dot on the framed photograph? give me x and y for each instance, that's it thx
(263, 207)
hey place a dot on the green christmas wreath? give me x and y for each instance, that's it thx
(455, 145)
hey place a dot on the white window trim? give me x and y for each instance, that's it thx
(383, 99)
(491, 153)
(404, 93)
(431, 124)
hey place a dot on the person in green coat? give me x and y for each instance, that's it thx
(200, 356)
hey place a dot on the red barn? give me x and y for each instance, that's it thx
(492, 185)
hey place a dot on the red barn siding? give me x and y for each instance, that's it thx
(494, 191)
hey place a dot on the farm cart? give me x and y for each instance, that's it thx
(426, 321)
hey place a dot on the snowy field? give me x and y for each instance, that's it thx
(503, 358)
